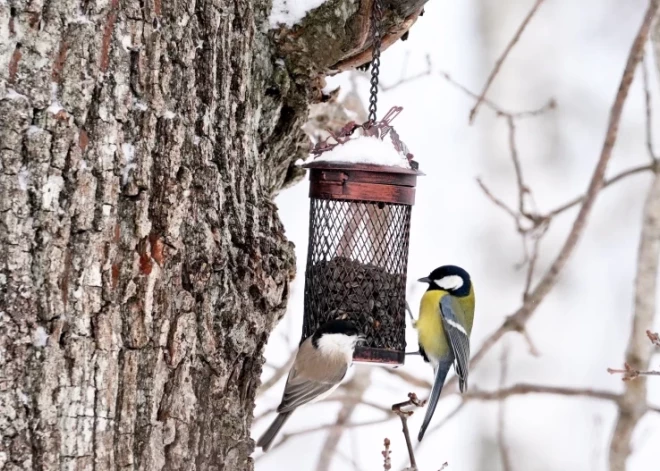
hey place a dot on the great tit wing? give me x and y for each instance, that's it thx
(300, 390)
(452, 321)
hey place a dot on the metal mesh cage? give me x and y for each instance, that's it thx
(356, 270)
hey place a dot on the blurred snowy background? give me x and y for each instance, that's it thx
(574, 52)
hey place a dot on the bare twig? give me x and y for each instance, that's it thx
(410, 313)
(493, 106)
(501, 441)
(618, 177)
(653, 337)
(629, 373)
(497, 109)
(500, 61)
(550, 105)
(403, 415)
(404, 80)
(387, 459)
(497, 201)
(523, 388)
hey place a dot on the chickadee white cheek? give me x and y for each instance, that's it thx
(338, 345)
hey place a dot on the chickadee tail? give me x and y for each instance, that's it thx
(440, 375)
(269, 435)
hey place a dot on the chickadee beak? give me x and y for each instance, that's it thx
(426, 279)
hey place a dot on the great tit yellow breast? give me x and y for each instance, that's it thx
(429, 325)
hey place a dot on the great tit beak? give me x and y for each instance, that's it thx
(426, 279)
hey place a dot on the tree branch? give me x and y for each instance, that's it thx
(633, 403)
(649, 111)
(523, 388)
(639, 351)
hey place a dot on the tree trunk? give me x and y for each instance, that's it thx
(142, 262)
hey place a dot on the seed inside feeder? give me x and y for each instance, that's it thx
(367, 295)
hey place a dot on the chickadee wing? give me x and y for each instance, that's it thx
(300, 390)
(453, 323)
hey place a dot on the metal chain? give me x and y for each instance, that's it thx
(376, 20)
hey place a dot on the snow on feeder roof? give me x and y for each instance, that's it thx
(362, 190)
(365, 150)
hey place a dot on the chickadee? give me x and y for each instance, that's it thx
(320, 365)
(445, 320)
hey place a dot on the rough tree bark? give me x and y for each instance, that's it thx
(142, 262)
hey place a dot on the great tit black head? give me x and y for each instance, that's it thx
(449, 278)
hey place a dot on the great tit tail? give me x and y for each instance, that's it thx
(269, 435)
(440, 375)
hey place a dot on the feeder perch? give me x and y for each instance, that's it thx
(359, 227)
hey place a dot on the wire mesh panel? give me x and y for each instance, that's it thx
(356, 270)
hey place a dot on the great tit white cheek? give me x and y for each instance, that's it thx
(450, 282)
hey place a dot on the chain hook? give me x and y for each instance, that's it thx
(376, 36)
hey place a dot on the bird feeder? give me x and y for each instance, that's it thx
(359, 228)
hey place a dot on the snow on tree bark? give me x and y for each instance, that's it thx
(142, 262)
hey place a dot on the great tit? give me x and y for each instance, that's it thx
(444, 325)
(320, 365)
